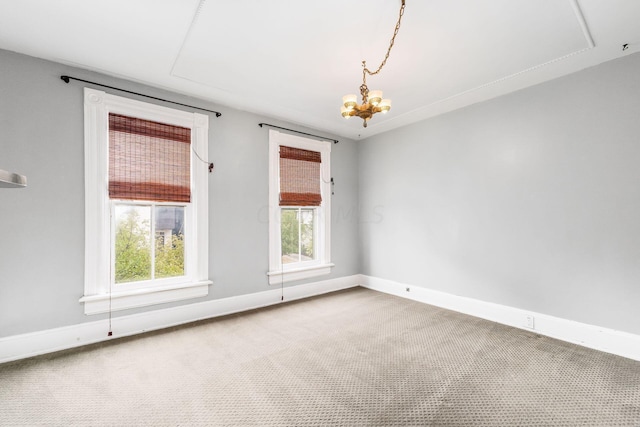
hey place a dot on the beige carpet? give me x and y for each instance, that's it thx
(351, 358)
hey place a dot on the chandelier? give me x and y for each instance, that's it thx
(372, 101)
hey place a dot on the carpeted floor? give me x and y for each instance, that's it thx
(351, 358)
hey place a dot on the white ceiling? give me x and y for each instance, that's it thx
(294, 60)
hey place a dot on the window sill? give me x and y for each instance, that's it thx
(104, 303)
(278, 277)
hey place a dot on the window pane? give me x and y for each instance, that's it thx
(169, 226)
(297, 232)
(306, 234)
(290, 236)
(132, 243)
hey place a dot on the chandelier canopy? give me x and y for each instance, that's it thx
(372, 101)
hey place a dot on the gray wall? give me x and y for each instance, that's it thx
(531, 200)
(42, 226)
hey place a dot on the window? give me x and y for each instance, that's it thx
(300, 208)
(136, 256)
(145, 202)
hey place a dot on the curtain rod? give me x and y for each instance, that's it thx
(67, 78)
(335, 141)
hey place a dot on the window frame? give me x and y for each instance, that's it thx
(100, 294)
(278, 272)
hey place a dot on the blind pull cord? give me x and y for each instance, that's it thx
(207, 162)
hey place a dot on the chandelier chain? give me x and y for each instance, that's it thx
(372, 102)
(366, 71)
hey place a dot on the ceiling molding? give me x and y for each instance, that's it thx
(196, 15)
(583, 23)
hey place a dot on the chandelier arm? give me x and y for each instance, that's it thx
(393, 39)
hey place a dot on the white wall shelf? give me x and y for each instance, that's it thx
(12, 180)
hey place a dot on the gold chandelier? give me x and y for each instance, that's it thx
(372, 101)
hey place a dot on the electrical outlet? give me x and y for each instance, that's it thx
(530, 322)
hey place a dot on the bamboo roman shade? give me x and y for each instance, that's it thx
(299, 177)
(148, 160)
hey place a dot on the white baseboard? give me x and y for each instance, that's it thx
(608, 340)
(50, 340)
(36, 343)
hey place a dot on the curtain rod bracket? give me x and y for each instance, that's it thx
(66, 79)
(335, 141)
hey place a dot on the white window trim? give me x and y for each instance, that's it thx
(99, 296)
(279, 273)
